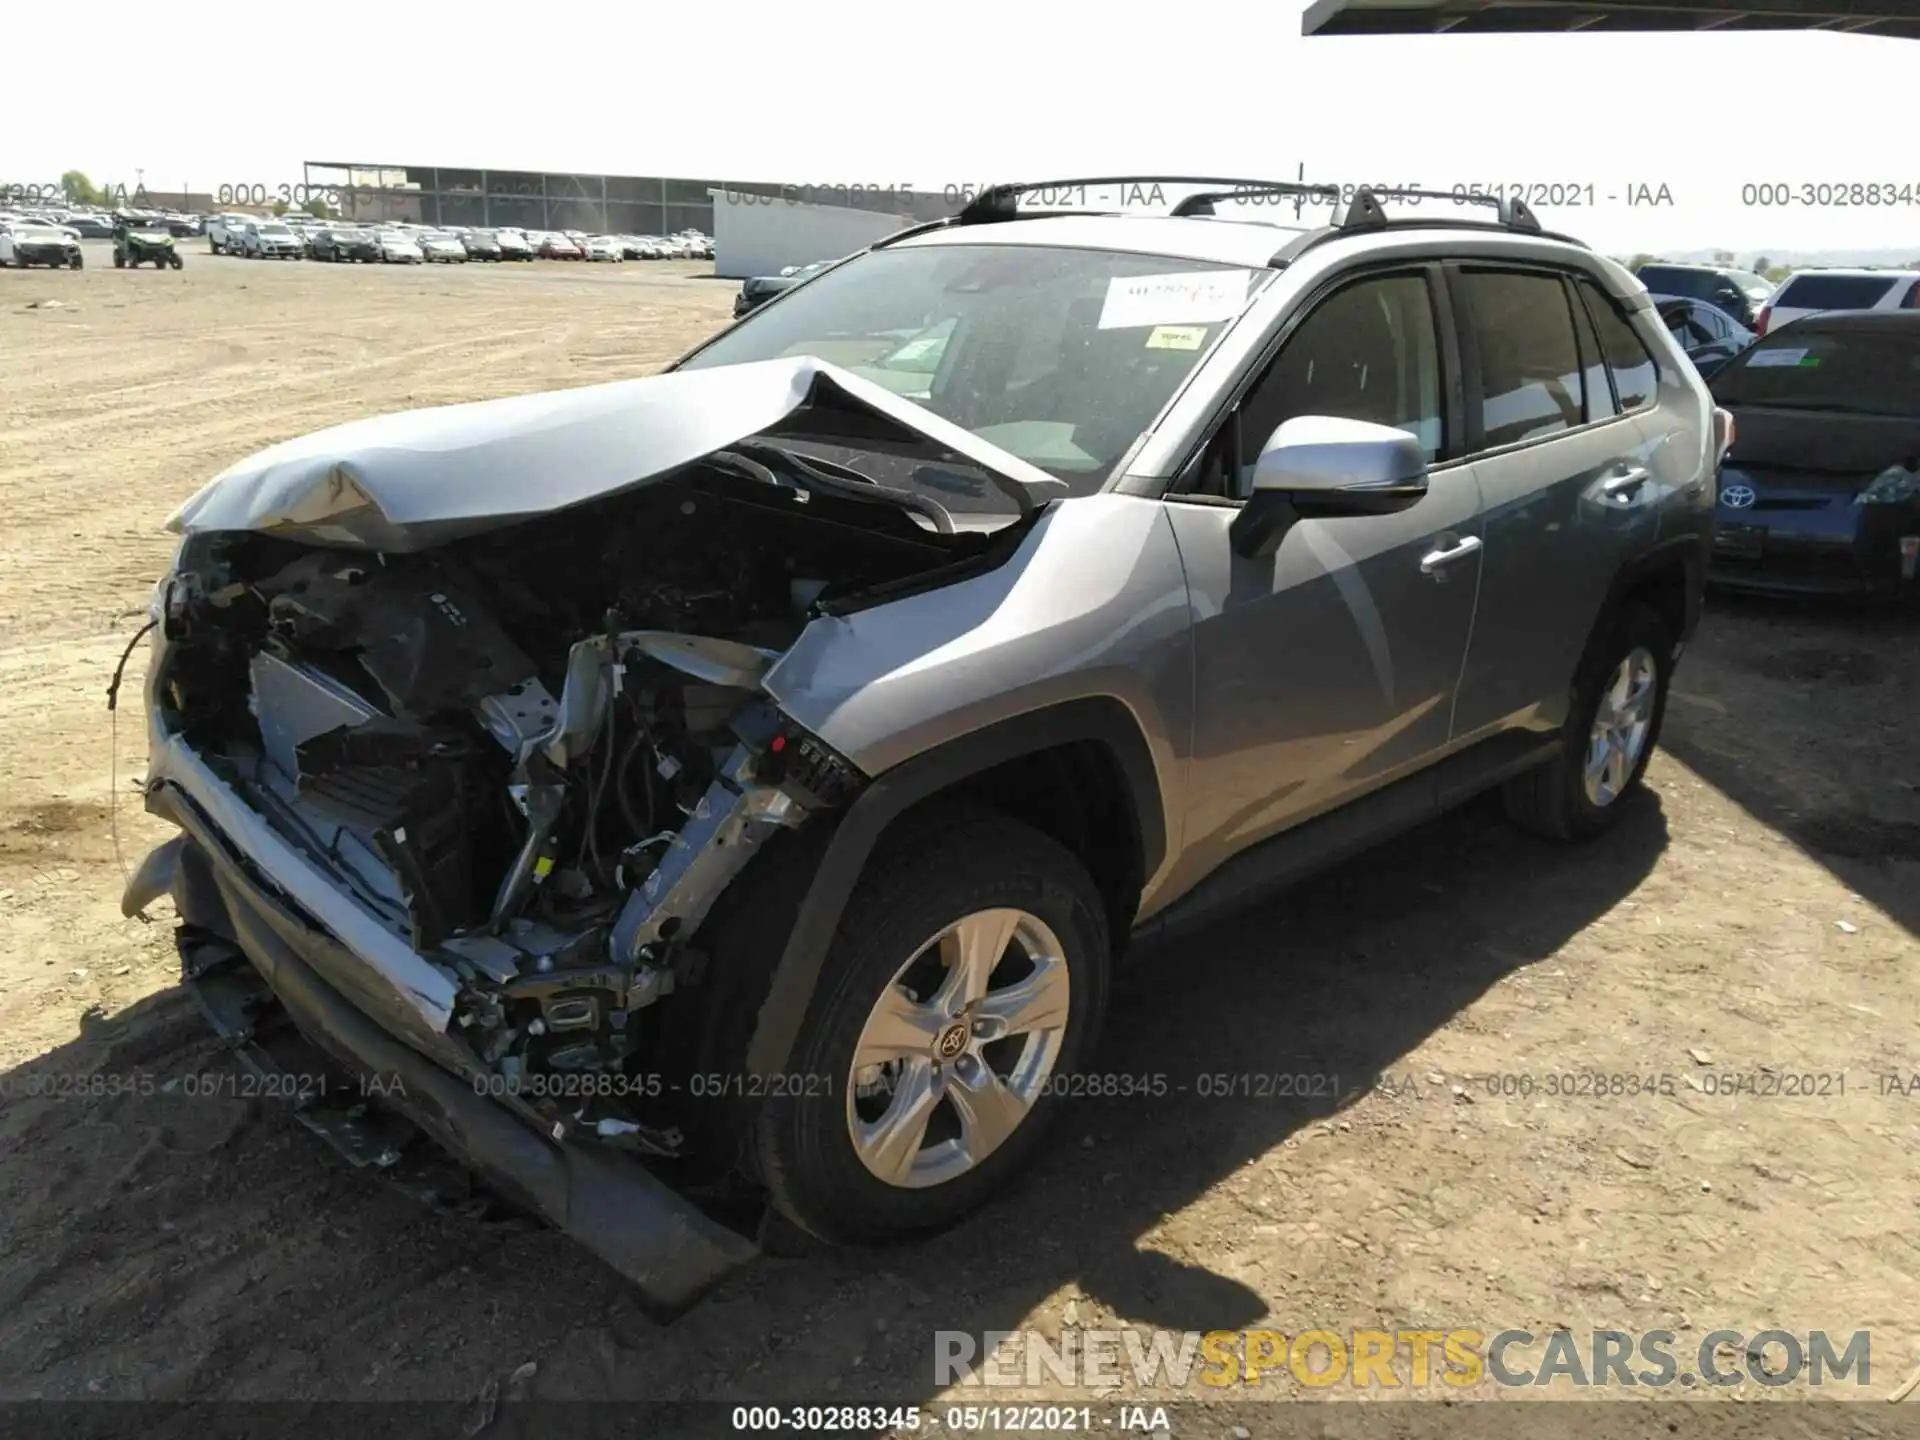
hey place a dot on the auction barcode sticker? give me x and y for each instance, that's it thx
(1193, 297)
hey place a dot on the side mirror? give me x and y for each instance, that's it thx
(1319, 467)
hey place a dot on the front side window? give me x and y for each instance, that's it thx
(1528, 362)
(1369, 352)
(1061, 357)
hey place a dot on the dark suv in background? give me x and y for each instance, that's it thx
(1740, 293)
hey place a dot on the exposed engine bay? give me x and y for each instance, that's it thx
(542, 754)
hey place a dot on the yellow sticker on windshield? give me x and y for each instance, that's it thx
(1176, 337)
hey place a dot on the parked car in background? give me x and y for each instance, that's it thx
(91, 227)
(24, 245)
(1709, 335)
(1740, 293)
(1814, 292)
(481, 245)
(555, 246)
(633, 247)
(270, 240)
(344, 243)
(759, 289)
(1820, 491)
(513, 245)
(604, 247)
(438, 247)
(223, 232)
(397, 247)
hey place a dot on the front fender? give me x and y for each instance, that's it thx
(1101, 719)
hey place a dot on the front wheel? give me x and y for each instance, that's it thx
(177, 262)
(965, 988)
(1612, 727)
(119, 261)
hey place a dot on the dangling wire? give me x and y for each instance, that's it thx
(113, 755)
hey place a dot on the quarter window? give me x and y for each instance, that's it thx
(1529, 364)
(1627, 357)
(1369, 351)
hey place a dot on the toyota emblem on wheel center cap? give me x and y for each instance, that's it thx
(1738, 497)
(952, 1041)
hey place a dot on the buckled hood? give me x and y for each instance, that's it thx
(417, 479)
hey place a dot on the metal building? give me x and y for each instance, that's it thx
(523, 199)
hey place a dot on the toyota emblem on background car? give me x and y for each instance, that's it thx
(1737, 497)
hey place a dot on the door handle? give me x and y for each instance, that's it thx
(1625, 483)
(1436, 560)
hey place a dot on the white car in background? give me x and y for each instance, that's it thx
(223, 233)
(604, 247)
(397, 247)
(438, 245)
(514, 244)
(1815, 292)
(271, 240)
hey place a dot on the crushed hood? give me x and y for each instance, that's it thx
(420, 478)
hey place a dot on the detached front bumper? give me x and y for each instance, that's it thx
(376, 1007)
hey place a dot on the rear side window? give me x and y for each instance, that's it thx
(1833, 292)
(1528, 361)
(1912, 302)
(1628, 361)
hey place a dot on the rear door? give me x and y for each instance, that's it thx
(1564, 471)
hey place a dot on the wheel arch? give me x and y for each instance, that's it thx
(1670, 579)
(1028, 766)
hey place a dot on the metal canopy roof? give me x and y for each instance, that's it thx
(1485, 17)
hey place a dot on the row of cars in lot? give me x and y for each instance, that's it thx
(1820, 489)
(404, 243)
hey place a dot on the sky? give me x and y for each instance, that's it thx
(930, 97)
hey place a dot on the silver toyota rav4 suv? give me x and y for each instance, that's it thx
(742, 783)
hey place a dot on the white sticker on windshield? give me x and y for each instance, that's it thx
(1775, 357)
(1192, 297)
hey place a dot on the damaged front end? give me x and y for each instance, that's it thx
(491, 786)
(536, 758)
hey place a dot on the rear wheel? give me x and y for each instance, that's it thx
(1618, 705)
(119, 261)
(968, 980)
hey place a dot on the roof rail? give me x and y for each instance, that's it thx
(1366, 215)
(1002, 202)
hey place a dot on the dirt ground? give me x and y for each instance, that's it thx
(1758, 911)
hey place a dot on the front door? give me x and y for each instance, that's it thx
(1328, 668)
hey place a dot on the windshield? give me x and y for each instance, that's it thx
(1869, 372)
(275, 230)
(1060, 357)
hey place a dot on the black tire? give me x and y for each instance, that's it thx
(119, 261)
(954, 863)
(1551, 800)
(176, 261)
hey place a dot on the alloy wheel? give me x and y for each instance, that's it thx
(1620, 727)
(958, 1048)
